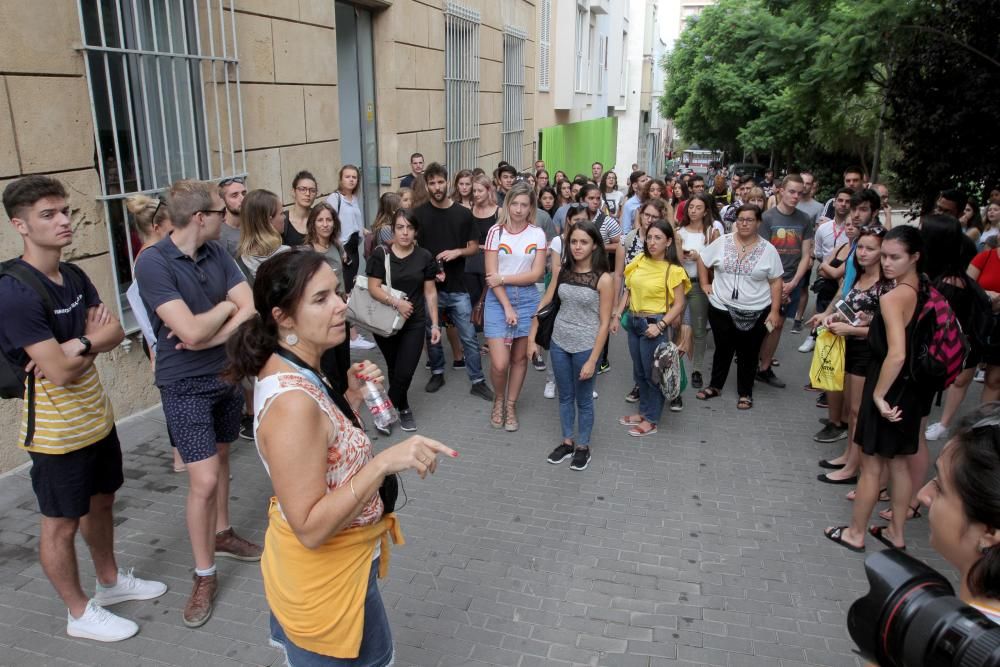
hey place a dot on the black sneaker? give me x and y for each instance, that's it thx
(604, 367)
(696, 380)
(822, 401)
(632, 396)
(797, 326)
(406, 421)
(581, 459)
(246, 427)
(831, 433)
(435, 383)
(560, 453)
(458, 363)
(677, 404)
(538, 362)
(427, 365)
(768, 377)
(482, 390)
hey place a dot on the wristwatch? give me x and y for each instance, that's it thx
(86, 345)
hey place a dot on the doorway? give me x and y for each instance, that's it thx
(356, 91)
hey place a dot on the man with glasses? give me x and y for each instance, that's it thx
(196, 297)
(232, 191)
(790, 231)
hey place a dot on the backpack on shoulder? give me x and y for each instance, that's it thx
(668, 370)
(13, 375)
(938, 347)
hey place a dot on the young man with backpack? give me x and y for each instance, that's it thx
(53, 327)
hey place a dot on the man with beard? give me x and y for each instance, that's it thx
(448, 231)
(232, 191)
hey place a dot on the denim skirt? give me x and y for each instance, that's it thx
(523, 298)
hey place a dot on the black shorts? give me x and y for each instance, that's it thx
(857, 356)
(64, 483)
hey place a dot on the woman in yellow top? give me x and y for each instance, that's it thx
(328, 525)
(655, 288)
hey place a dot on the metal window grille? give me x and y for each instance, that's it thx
(461, 78)
(544, 43)
(512, 130)
(165, 95)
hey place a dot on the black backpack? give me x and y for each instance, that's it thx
(12, 374)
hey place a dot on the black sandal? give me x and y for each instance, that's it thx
(744, 403)
(877, 533)
(707, 393)
(837, 535)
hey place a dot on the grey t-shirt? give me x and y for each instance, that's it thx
(812, 208)
(543, 220)
(579, 316)
(229, 237)
(787, 233)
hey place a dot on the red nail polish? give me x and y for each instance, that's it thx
(454, 455)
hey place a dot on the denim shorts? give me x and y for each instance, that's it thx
(376, 642)
(201, 412)
(523, 298)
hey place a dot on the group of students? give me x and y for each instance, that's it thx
(255, 328)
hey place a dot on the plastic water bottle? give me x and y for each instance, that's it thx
(508, 337)
(383, 412)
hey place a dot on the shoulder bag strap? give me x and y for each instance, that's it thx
(388, 271)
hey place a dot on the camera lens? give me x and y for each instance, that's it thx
(910, 618)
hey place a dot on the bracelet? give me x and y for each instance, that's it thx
(353, 493)
(434, 326)
(661, 325)
(502, 280)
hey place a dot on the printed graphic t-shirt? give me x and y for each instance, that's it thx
(515, 252)
(787, 233)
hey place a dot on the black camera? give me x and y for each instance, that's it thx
(911, 618)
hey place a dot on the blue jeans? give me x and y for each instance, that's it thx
(459, 309)
(641, 348)
(576, 396)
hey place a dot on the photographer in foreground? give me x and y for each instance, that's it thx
(963, 501)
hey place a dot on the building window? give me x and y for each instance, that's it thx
(593, 58)
(602, 67)
(544, 43)
(461, 87)
(623, 73)
(164, 85)
(512, 131)
(582, 55)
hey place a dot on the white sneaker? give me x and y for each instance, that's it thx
(128, 587)
(550, 390)
(595, 395)
(980, 376)
(362, 343)
(99, 624)
(935, 431)
(808, 344)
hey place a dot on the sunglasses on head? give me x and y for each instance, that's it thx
(873, 230)
(242, 180)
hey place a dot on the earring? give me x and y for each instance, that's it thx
(292, 339)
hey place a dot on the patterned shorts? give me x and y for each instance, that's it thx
(201, 412)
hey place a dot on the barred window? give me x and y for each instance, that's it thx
(165, 93)
(512, 130)
(461, 86)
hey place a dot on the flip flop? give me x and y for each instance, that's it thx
(707, 393)
(637, 432)
(836, 535)
(876, 532)
(627, 421)
(744, 403)
(826, 480)
(883, 495)
(887, 513)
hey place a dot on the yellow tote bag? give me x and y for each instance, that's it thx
(827, 369)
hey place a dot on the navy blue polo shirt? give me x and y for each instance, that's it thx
(165, 274)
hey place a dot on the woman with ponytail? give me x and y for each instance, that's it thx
(328, 525)
(963, 502)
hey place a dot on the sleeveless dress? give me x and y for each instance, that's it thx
(874, 433)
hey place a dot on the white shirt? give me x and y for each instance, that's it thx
(741, 284)
(829, 236)
(349, 212)
(515, 252)
(691, 241)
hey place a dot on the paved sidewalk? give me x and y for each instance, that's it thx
(701, 545)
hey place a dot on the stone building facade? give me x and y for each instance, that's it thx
(221, 88)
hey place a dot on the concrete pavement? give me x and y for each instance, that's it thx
(701, 545)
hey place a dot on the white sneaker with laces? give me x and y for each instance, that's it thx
(99, 624)
(550, 390)
(362, 343)
(128, 587)
(808, 344)
(935, 431)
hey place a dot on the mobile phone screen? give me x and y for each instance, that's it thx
(846, 311)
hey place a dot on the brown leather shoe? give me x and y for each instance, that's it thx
(199, 606)
(230, 545)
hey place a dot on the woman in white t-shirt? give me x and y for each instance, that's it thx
(611, 197)
(515, 261)
(744, 299)
(696, 232)
(963, 502)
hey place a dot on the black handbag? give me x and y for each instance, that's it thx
(546, 317)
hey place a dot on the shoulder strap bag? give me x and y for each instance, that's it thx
(365, 311)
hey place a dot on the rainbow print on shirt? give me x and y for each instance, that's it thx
(531, 249)
(504, 249)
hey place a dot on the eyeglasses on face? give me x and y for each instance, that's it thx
(651, 216)
(219, 211)
(242, 180)
(746, 221)
(306, 191)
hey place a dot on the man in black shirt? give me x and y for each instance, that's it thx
(416, 168)
(448, 231)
